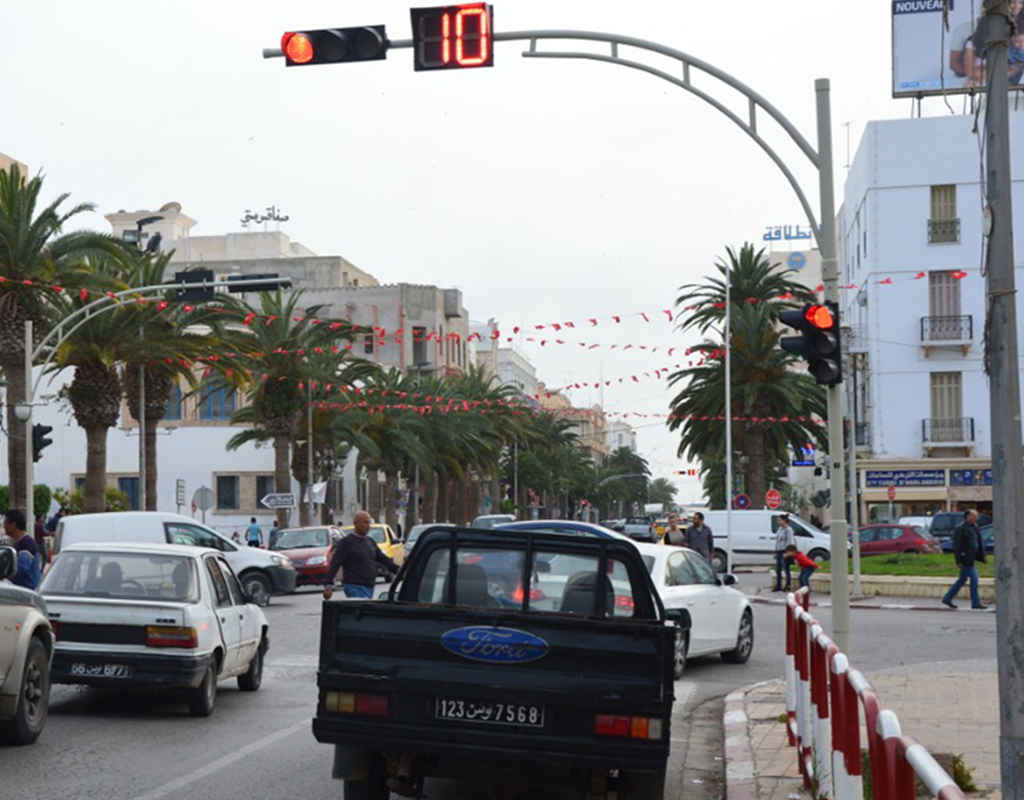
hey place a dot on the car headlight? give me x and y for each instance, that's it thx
(281, 561)
(312, 562)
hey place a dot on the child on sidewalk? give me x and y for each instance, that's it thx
(807, 566)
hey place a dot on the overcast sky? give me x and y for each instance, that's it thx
(545, 190)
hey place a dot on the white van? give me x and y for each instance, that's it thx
(753, 537)
(261, 574)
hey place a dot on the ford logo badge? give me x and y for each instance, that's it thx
(494, 645)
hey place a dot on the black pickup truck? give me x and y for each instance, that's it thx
(517, 658)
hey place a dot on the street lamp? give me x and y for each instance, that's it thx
(143, 499)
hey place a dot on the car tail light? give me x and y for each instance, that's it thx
(624, 602)
(160, 636)
(535, 594)
(472, 559)
(373, 705)
(55, 626)
(628, 727)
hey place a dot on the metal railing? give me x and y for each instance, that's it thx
(947, 329)
(947, 431)
(943, 231)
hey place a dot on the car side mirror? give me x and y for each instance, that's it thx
(543, 566)
(8, 563)
(728, 579)
(680, 616)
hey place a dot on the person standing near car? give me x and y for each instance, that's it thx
(673, 535)
(253, 533)
(30, 569)
(699, 537)
(783, 538)
(358, 556)
(967, 549)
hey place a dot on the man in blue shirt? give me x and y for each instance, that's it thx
(253, 533)
(30, 568)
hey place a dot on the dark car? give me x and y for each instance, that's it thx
(988, 538)
(945, 522)
(878, 539)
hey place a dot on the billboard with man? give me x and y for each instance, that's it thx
(938, 46)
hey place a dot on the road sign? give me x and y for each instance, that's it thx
(282, 500)
(892, 492)
(772, 498)
(179, 491)
(741, 501)
(203, 498)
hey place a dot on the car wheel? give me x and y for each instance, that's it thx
(719, 561)
(252, 678)
(33, 700)
(679, 659)
(641, 785)
(818, 556)
(374, 786)
(744, 641)
(201, 699)
(256, 588)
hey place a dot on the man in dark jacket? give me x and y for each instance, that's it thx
(699, 537)
(358, 556)
(967, 549)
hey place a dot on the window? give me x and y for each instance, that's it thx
(943, 225)
(234, 588)
(183, 533)
(947, 396)
(419, 346)
(220, 586)
(368, 344)
(227, 492)
(173, 411)
(264, 485)
(216, 401)
(678, 571)
(130, 486)
(944, 321)
(137, 576)
(705, 574)
(79, 482)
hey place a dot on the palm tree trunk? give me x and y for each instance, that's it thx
(411, 512)
(304, 519)
(474, 497)
(390, 491)
(373, 493)
(151, 462)
(16, 432)
(443, 512)
(753, 448)
(282, 475)
(95, 489)
(461, 490)
(495, 494)
(430, 498)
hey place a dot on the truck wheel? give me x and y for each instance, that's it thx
(257, 588)
(679, 660)
(719, 561)
(374, 786)
(744, 641)
(641, 785)
(33, 699)
(202, 699)
(251, 679)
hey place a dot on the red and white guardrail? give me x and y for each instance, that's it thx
(824, 700)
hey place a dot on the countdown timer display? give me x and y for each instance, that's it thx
(453, 37)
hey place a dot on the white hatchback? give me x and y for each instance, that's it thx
(154, 616)
(721, 620)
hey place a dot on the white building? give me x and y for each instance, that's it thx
(911, 245)
(620, 434)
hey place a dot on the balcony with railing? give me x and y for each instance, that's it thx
(947, 331)
(944, 231)
(956, 432)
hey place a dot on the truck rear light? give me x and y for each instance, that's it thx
(373, 705)
(535, 594)
(628, 727)
(160, 636)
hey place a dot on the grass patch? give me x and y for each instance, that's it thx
(939, 565)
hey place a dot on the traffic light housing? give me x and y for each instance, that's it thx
(690, 472)
(39, 440)
(335, 46)
(819, 342)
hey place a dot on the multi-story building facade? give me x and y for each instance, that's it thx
(620, 434)
(911, 231)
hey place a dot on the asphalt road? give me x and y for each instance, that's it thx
(125, 746)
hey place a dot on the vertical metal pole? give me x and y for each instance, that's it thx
(515, 476)
(309, 455)
(142, 430)
(830, 277)
(728, 417)
(30, 498)
(1004, 378)
(854, 511)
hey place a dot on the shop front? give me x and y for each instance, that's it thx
(891, 490)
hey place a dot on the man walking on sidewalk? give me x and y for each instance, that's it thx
(967, 548)
(783, 539)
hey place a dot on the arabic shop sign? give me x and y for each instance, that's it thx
(882, 478)
(787, 233)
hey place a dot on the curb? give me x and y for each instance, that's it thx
(773, 601)
(740, 770)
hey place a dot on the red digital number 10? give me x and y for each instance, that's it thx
(459, 38)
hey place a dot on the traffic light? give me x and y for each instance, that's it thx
(819, 343)
(39, 440)
(690, 472)
(453, 37)
(335, 46)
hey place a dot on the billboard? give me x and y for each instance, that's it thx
(929, 58)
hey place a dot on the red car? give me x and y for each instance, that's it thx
(886, 538)
(309, 550)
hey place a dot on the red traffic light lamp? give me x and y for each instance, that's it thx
(818, 342)
(334, 45)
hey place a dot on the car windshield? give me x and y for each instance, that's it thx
(377, 534)
(307, 537)
(131, 576)
(486, 523)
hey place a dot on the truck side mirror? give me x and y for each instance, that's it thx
(8, 563)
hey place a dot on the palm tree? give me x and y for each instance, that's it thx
(35, 254)
(662, 490)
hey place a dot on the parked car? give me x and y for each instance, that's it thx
(945, 522)
(26, 649)
(879, 539)
(988, 539)
(414, 533)
(262, 573)
(309, 550)
(154, 616)
(924, 522)
(387, 540)
(753, 538)
(721, 619)
(638, 528)
(567, 526)
(488, 521)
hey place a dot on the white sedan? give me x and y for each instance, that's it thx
(153, 616)
(721, 618)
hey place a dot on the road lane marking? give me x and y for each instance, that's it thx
(220, 763)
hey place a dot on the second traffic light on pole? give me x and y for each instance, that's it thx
(40, 440)
(335, 46)
(819, 342)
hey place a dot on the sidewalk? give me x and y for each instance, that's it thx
(949, 707)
